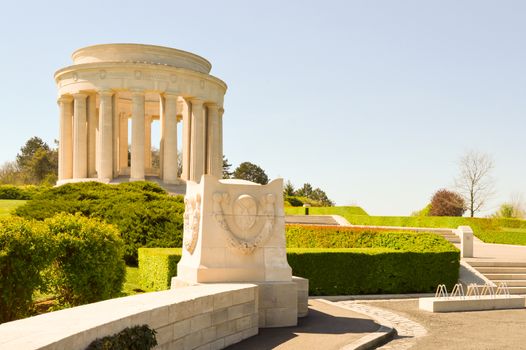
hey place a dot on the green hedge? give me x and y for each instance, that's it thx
(339, 271)
(143, 212)
(19, 192)
(134, 338)
(373, 271)
(301, 236)
(25, 251)
(157, 266)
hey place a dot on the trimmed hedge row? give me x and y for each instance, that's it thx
(300, 236)
(143, 212)
(157, 266)
(373, 271)
(337, 271)
(78, 260)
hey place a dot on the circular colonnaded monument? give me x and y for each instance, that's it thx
(108, 85)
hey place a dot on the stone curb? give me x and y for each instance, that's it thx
(383, 334)
(334, 298)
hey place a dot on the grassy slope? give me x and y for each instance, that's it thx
(342, 211)
(7, 205)
(488, 230)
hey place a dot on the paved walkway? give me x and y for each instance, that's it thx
(327, 327)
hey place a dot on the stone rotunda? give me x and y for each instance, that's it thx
(110, 84)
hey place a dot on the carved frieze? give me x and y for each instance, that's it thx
(192, 218)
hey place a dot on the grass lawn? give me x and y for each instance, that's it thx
(131, 284)
(342, 211)
(7, 205)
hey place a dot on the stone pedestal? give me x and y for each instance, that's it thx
(234, 231)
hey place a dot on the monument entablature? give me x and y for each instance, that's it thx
(110, 84)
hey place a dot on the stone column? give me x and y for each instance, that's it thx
(116, 130)
(170, 139)
(65, 146)
(92, 135)
(80, 137)
(148, 142)
(198, 137)
(123, 143)
(214, 151)
(137, 145)
(105, 152)
(187, 128)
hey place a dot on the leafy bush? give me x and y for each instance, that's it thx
(18, 192)
(143, 212)
(372, 271)
(157, 266)
(301, 236)
(25, 250)
(89, 265)
(447, 203)
(134, 338)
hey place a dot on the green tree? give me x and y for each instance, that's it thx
(37, 162)
(227, 174)
(288, 189)
(250, 172)
(305, 191)
(447, 203)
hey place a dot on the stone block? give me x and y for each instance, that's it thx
(233, 338)
(281, 317)
(240, 310)
(193, 340)
(160, 317)
(201, 321)
(243, 323)
(181, 329)
(164, 334)
(226, 328)
(209, 334)
(218, 344)
(302, 285)
(222, 300)
(219, 316)
(252, 331)
(243, 295)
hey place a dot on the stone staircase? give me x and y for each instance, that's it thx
(310, 220)
(513, 273)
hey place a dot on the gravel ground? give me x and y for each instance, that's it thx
(495, 329)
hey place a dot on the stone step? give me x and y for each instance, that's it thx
(479, 263)
(517, 290)
(310, 220)
(511, 282)
(506, 276)
(500, 269)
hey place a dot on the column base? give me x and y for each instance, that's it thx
(172, 182)
(133, 179)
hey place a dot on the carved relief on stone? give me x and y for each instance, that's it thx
(245, 212)
(192, 218)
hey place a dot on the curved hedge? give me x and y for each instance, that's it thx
(144, 213)
(19, 192)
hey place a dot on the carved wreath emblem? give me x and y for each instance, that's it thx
(192, 217)
(245, 214)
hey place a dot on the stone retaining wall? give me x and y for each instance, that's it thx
(209, 316)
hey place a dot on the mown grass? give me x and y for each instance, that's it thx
(8, 205)
(342, 211)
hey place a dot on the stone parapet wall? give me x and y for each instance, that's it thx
(210, 316)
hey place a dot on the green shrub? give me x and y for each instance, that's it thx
(373, 271)
(143, 212)
(18, 192)
(293, 201)
(157, 266)
(301, 236)
(25, 250)
(134, 338)
(89, 266)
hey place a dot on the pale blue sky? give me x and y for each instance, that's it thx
(373, 101)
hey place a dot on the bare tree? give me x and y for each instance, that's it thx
(475, 182)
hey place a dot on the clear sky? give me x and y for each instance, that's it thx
(372, 101)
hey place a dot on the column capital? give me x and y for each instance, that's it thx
(105, 92)
(212, 105)
(196, 102)
(65, 98)
(137, 92)
(170, 96)
(79, 95)
(221, 111)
